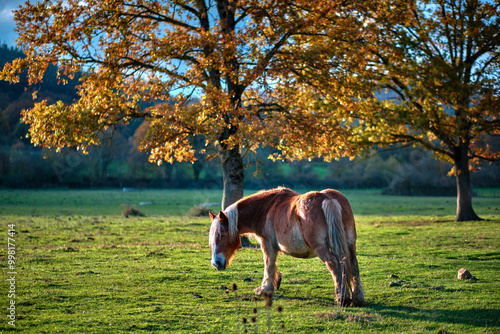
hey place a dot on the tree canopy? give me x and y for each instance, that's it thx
(420, 73)
(132, 53)
(304, 77)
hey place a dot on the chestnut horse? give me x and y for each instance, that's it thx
(305, 226)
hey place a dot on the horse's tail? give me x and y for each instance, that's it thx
(337, 241)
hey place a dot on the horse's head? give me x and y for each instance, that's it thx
(224, 240)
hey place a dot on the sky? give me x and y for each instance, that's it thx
(7, 25)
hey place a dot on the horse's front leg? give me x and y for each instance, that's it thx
(272, 277)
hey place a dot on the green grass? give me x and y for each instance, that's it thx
(102, 202)
(84, 268)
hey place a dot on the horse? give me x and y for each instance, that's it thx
(315, 224)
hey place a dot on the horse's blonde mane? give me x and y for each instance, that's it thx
(214, 229)
(231, 213)
(232, 216)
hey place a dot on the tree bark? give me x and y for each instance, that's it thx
(197, 168)
(233, 178)
(232, 175)
(465, 211)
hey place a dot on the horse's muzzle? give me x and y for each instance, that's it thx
(219, 264)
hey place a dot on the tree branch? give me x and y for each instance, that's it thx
(148, 13)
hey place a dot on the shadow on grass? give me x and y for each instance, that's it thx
(477, 317)
(323, 301)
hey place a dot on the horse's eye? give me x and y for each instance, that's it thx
(223, 235)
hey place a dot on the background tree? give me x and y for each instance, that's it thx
(139, 52)
(422, 73)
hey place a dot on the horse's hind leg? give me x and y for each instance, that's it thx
(342, 294)
(358, 296)
(277, 279)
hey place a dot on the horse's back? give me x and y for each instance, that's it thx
(296, 222)
(255, 210)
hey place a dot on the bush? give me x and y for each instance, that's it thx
(131, 211)
(199, 211)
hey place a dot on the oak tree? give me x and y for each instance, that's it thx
(133, 53)
(423, 73)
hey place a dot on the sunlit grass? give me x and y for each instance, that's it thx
(84, 268)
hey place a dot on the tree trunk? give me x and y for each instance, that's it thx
(233, 178)
(197, 168)
(465, 212)
(232, 175)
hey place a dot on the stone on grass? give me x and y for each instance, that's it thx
(464, 274)
(396, 283)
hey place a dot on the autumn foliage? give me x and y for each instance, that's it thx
(304, 77)
(140, 52)
(421, 73)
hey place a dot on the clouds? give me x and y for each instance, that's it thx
(7, 24)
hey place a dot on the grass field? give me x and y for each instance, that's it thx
(84, 268)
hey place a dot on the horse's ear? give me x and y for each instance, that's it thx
(223, 217)
(212, 215)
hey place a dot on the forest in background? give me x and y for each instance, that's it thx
(118, 163)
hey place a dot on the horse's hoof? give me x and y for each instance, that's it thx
(262, 289)
(343, 302)
(357, 302)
